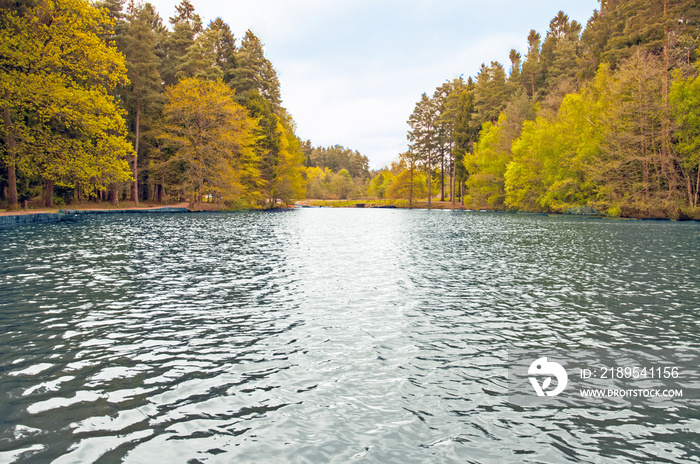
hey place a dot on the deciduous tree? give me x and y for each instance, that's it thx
(213, 139)
(59, 120)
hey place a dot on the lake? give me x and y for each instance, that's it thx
(333, 335)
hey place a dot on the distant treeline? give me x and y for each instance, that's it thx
(606, 117)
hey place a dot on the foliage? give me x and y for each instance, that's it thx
(213, 138)
(604, 118)
(337, 158)
(65, 66)
(406, 186)
(490, 157)
(685, 103)
(59, 121)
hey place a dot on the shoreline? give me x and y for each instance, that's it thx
(47, 215)
(12, 218)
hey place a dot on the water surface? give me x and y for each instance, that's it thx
(331, 335)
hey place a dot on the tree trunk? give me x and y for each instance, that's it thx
(135, 187)
(48, 193)
(430, 183)
(442, 178)
(410, 191)
(453, 179)
(697, 187)
(12, 156)
(114, 195)
(666, 121)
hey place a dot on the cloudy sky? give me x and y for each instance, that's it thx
(351, 71)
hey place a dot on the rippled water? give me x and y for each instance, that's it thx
(322, 335)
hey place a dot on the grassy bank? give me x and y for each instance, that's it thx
(378, 203)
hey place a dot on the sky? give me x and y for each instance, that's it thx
(351, 71)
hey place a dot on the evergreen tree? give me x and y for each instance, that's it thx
(201, 59)
(460, 110)
(560, 50)
(491, 93)
(144, 91)
(424, 136)
(532, 74)
(186, 25)
(253, 72)
(225, 48)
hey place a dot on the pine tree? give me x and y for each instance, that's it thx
(424, 136)
(561, 50)
(142, 63)
(253, 72)
(491, 93)
(460, 110)
(532, 74)
(186, 25)
(225, 48)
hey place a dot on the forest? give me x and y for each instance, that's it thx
(105, 102)
(603, 119)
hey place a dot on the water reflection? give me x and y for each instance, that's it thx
(330, 335)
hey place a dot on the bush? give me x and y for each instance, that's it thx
(615, 211)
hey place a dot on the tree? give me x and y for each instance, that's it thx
(59, 122)
(553, 155)
(638, 174)
(213, 139)
(142, 63)
(423, 136)
(186, 26)
(224, 48)
(488, 162)
(380, 182)
(532, 74)
(445, 130)
(341, 184)
(202, 57)
(318, 182)
(288, 182)
(253, 72)
(685, 103)
(561, 50)
(459, 108)
(407, 183)
(338, 157)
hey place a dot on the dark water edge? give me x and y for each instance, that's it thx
(322, 335)
(75, 214)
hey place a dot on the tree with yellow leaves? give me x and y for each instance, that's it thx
(212, 138)
(58, 120)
